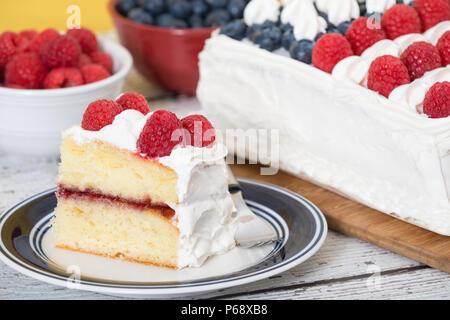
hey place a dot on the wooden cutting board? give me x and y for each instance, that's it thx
(354, 219)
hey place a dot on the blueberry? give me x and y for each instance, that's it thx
(199, 7)
(164, 20)
(285, 27)
(267, 24)
(178, 24)
(180, 8)
(287, 39)
(217, 3)
(217, 17)
(332, 29)
(252, 31)
(195, 21)
(318, 36)
(139, 15)
(236, 8)
(270, 38)
(154, 7)
(302, 50)
(125, 6)
(235, 29)
(343, 26)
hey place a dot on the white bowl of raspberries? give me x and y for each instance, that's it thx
(46, 81)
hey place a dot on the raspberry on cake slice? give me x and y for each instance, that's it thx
(419, 58)
(363, 33)
(129, 187)
(437, 100)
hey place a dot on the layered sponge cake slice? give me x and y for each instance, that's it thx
(134, 187)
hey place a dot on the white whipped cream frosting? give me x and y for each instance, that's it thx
(356, 68)
(205, 213)
(339, 11)
(379, 5)
(258, 11)
(302, 15)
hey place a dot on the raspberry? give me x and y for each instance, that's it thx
(86, 38)
(329, 50)
(84, 60)
(161, 133)
(10, 44)
(443, 46)
(133, 100)
(94, 72)
(28, 34)
(419, 58)
(387, 73)
(431, 12)
(437, 100)
(25, 69)
(63, 78)
(363, 33)
(42, 38)
(399, 20)
(102, 58)
(201, 131)
(100, 113)
(62, 51)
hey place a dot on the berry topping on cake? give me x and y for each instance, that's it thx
(431, 12)
(443, 46)
(86, 38)
(302, 50)
(84, 60)
(387, 73)
(399, 20)
(235, 29)
(63, 51)
(26, 70)
(133, 100)
(329, 50)
(363, 33)
(42, 38)
(419, 58)
(437, 100)
(28, 34)
(103, 59)
(63, 78)
(100, 113)
(161, 133)
(202, 133)
(94, 72)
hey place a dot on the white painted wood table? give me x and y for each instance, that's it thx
(344, 268)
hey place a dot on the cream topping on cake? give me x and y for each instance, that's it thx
(205, 213)
(302, 15)
(379, 5)
(339, 11)
(258, 11)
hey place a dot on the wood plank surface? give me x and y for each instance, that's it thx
(354, 219)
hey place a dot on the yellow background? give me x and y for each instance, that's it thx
(16, 15)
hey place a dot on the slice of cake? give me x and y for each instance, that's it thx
(146, 187)
(361, 104)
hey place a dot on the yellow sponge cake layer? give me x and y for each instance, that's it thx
(118, 231)
(102, 168)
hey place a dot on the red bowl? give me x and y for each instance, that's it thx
(167, 56)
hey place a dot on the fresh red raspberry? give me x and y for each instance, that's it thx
(161, 133)
(84, 60)
(86, 38)
(100, 113)
(419, 58)
(102, 58)
(437, 100)
(28, 34)
(133, 100)
(443, 46)
(62, 51)
(63, 78)
(202, 133)
(94, 72)
(363, 33)
(329, 50)
(14, 86)
(10, 44)
(42, 38)
(387, 73)
(399, 20)
(25, 69)
(431, 12)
